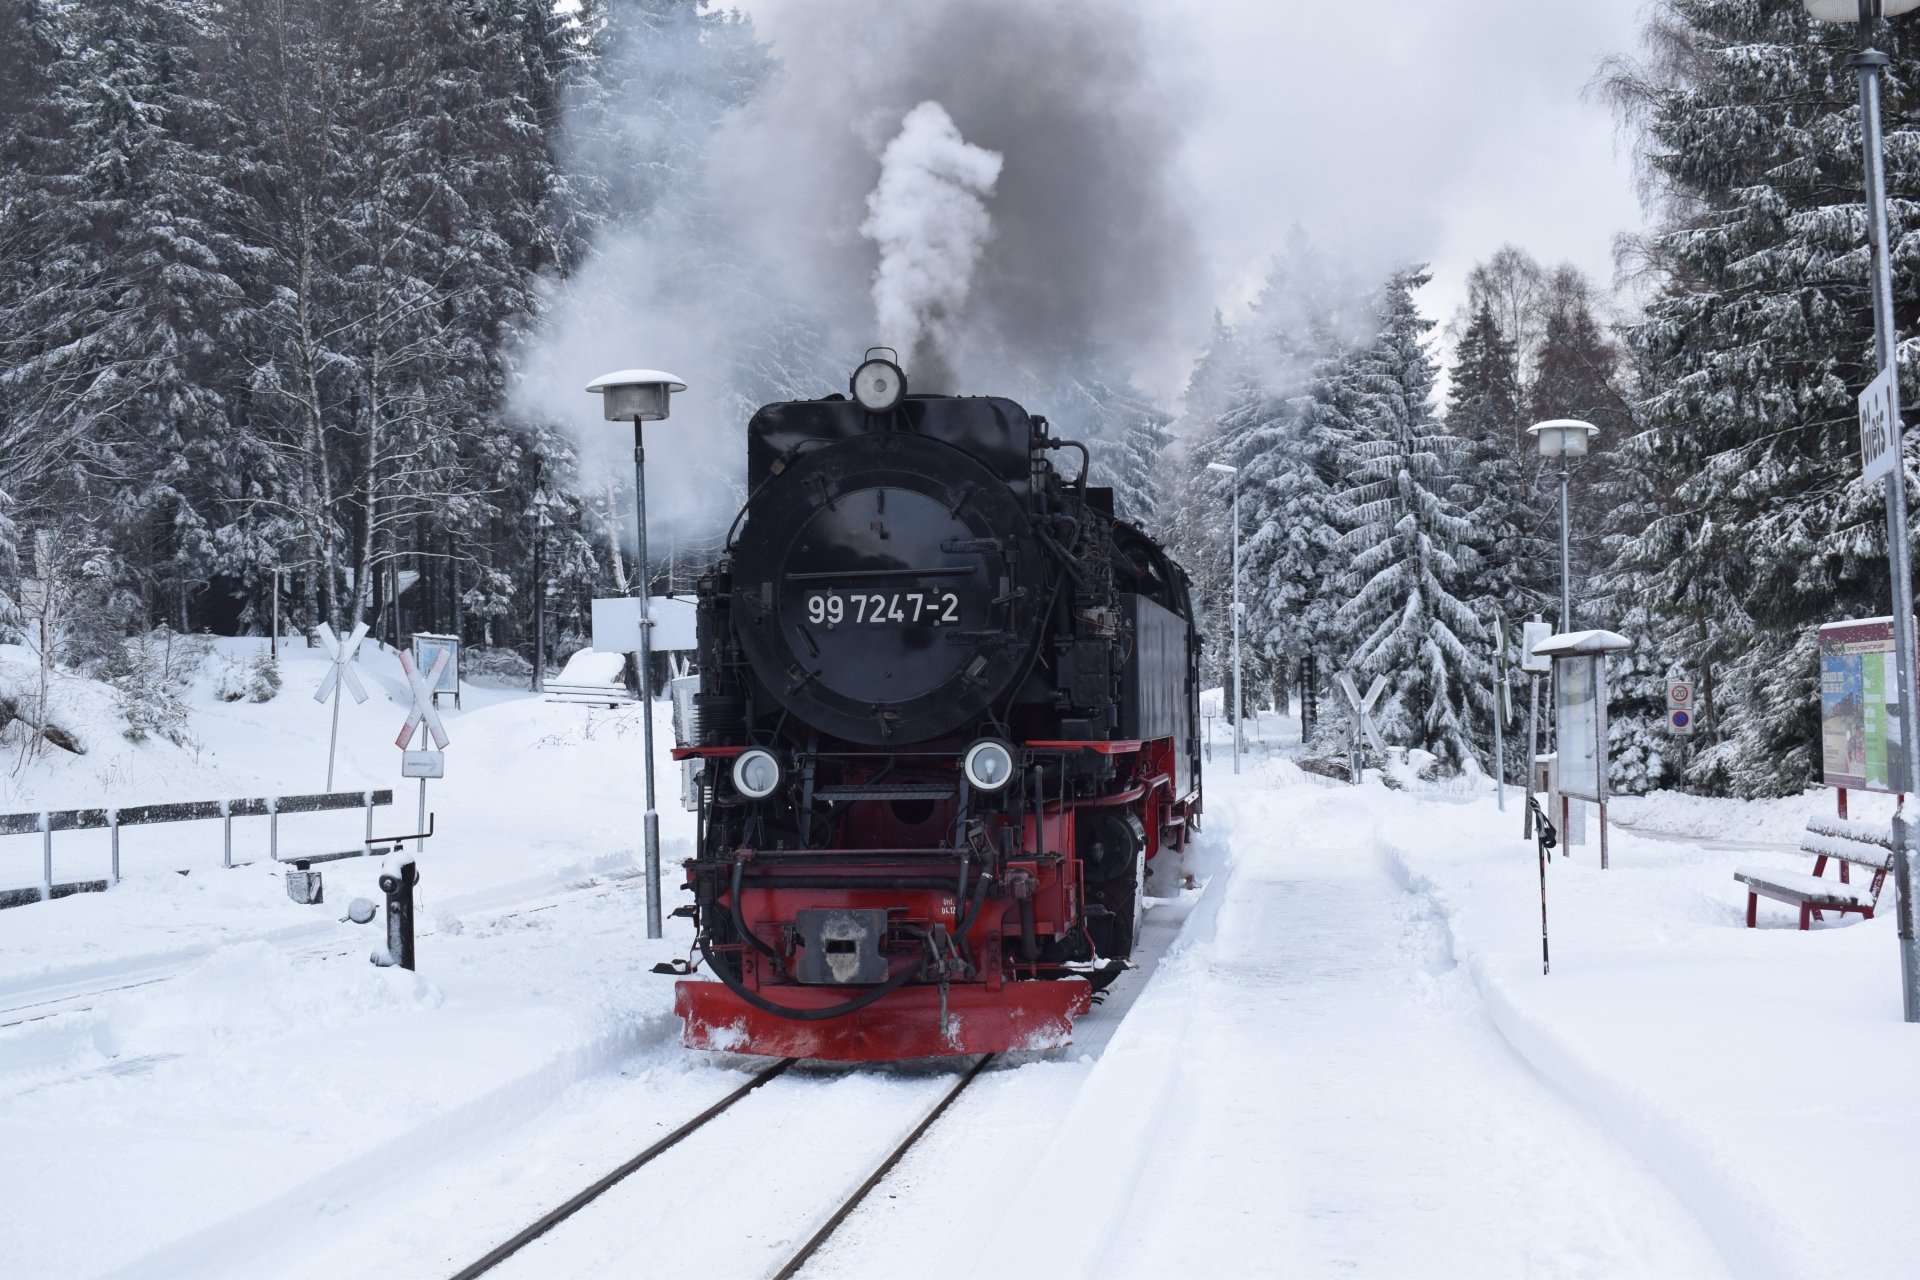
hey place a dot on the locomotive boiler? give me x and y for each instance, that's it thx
(946, 719)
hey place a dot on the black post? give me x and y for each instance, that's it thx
(1544, 838)
(399, 890)
(539, 604)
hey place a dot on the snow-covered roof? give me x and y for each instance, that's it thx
(1568, 644)
(635, 377)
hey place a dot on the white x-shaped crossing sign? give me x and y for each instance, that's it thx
(1363, 707)
(340, 671)
(424, 712)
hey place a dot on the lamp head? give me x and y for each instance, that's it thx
(1226, 470)
(1566, 437)
(1849, 10)
(632, 394)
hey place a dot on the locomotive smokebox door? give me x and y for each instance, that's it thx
(840, 945)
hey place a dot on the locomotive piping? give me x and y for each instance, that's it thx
(754, 998)
(740, 924)
(786, 460)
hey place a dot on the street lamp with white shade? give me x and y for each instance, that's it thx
(639, 396)
(1565, 439)
(1228, 470)
(1859, 10)
(1868, 62)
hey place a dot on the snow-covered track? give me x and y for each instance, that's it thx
(600, 1186)
(597, 1243)
(879, 1175)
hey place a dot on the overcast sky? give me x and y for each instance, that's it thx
(1396, 130)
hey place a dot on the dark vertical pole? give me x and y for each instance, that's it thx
(539, 600)
(1540, 845)
(650, 823)
(1868, 63)
(458, 605)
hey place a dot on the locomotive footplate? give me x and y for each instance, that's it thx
(905, 1024)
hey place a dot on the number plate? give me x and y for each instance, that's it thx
(832, 609)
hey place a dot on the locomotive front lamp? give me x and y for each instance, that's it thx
(637, 396)
(756, 773)
(988, 765)
(879, 385)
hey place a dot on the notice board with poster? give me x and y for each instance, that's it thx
(427, 649)
(1860, 746)
(1580, 704)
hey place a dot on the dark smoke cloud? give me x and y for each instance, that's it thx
(1091, 257)
(1093, 253)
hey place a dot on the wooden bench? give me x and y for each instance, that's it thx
(1850, 844)
(595, 679)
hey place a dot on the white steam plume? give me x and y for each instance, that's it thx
(929, 219)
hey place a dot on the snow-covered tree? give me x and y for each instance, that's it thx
(1409, 544)
(1751, 356)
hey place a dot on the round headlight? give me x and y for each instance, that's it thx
(988, 765)
(878, 385)
(756, 774)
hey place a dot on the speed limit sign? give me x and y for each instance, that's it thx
(1680, 714)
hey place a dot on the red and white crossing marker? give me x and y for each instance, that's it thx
(424, 712)
(423, 764)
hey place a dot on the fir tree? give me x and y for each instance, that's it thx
(1752, 355)
(1408, 542)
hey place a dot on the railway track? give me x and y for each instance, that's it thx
(559, 1214)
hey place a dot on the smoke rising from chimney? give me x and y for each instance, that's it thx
(929, 220)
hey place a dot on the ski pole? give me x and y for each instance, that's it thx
(1545, 837)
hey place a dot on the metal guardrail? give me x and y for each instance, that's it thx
(47, 821)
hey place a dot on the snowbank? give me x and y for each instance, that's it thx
(1756, 1070)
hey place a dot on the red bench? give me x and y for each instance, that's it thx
(1849, 844)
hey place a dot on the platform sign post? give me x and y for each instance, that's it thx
(423, 764)
(338, 674)
(1502, 708)
(1531, 634)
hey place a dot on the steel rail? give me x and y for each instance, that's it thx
(878, 1176)
(580, 1200)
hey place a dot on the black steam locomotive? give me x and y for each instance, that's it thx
(947, 715)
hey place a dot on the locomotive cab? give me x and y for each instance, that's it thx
(947, 716)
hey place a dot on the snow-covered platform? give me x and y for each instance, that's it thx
(1346, 1061)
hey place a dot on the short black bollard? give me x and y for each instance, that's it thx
(398, 886)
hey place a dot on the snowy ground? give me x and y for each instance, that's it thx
(1345, 1061)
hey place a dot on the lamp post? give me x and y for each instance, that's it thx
(1565, 439)
(1867, 62)
(1226, 470)
(642, 395)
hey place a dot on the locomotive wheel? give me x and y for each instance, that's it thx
(1116, 868)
